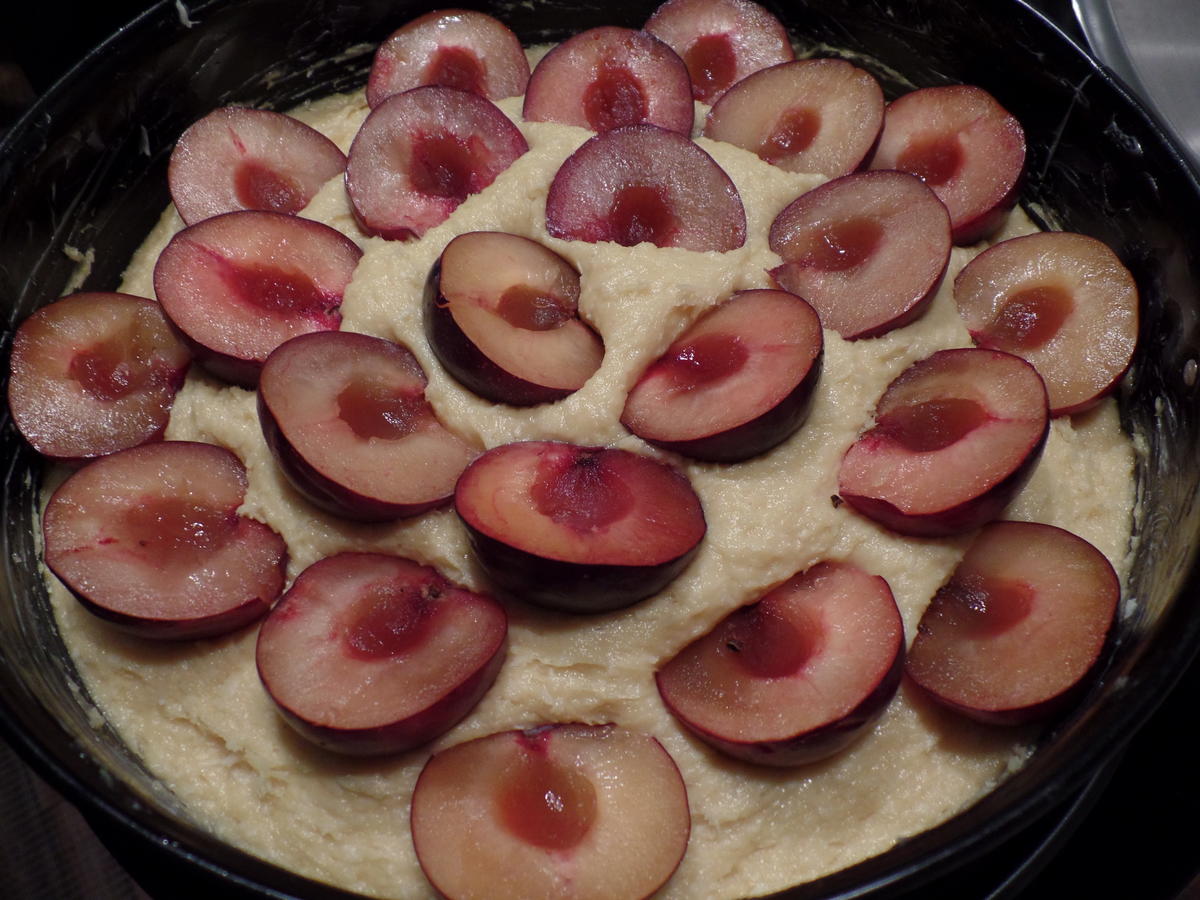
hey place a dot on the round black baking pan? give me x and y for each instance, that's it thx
(82, 177)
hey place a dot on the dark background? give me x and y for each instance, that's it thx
(1131, 835)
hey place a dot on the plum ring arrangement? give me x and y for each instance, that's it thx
(372, 653)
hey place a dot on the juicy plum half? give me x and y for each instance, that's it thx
(797, 675)
(347, 421)
(150, 539)
(736, 383)
(94, 373)
(595, 811)
(502, 315)
(370, 653)
(955, 437)
(580, 529)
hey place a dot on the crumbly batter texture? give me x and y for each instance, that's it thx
(199, 718)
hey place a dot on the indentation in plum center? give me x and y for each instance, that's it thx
(388, 621)
(584, 495)
(1029, 318)
(615, 98)
(642, 212)
(456, 67)
(935, 160)
(545, 803)
(375, 410)
(275, 290)
(705, 360)
(767, 644)
(712, 63)
(174, 526)
(793, 133)
(986, 607)
(932, 424)
(103, 372)
(444, 165)
(258, 186)
(524, 306)
(842, 245)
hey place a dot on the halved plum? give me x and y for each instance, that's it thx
(579, 529)
(563, 810)
(736, 383)
(419, 154)
(1062, 302)
(962, 143)
(644, 183)
(150, 540)
(797, 675)
(955, 437)
(607, 77)
(94, 373)
(811, 115)
(458, 48)
(867, 250)
(369, 653)
(346, 418)
(240, 158)
(502, 315)
(240, 284)
(1012, 635)
(721, 41)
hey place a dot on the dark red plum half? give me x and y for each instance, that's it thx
(346, 418)
(721, 41)
(797, 675)
(867, 250)
(1012, 636)
(643, 183)
(502, 315)
(587, 811)
(150, 540)
(579, 529)
(811, 115)
(94, 373)
(369, 653)
(420, 154)
(955, 436)
(608, 77)
(457, 48)
(967, 147)
(1064, 303)
(240, 284)
(736, 383)
(240, 158)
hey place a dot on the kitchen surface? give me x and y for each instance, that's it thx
(1130, 834)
